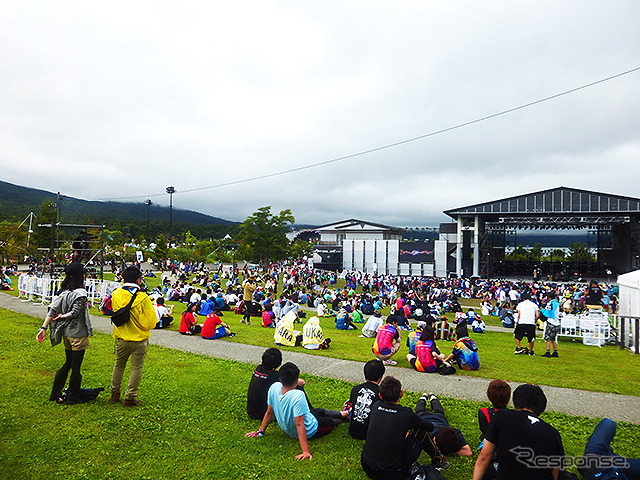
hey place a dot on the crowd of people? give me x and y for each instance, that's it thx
(394, 436)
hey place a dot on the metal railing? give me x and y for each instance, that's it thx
(628, 332)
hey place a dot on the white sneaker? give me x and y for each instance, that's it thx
(390, 362)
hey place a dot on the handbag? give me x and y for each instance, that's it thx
(123, 315)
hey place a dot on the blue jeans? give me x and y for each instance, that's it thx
(599, 443)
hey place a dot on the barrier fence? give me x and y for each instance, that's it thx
(33, 288)
(628, 332)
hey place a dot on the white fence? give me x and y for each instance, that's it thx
(593, 327)
(43, 289)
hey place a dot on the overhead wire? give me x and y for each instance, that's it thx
(390, 145)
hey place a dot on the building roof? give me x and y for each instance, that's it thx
(357, 225)
(554, 201)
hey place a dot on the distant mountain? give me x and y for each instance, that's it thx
(16, 202)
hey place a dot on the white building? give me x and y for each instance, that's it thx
(369, 247)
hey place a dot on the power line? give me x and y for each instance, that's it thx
(390, 145)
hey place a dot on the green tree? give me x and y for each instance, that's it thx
(301, 248)
(579, 252)
(263, 235)
(535, 252)
(13, 240)
(47, 216)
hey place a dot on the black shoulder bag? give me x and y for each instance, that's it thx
(123, 315)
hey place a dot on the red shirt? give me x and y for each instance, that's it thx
(211, 323)
(187, 322)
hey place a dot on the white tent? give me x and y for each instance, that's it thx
(629, 308)
(629, 294)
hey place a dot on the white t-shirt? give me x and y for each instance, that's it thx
(526, 313)
(513, 295)
(160, 311)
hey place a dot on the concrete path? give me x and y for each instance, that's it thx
(573, 402)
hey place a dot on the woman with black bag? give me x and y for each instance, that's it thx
(68, 317)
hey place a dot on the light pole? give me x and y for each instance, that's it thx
(148, 203)
(170, 191)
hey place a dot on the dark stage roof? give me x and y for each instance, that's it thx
(557, 206)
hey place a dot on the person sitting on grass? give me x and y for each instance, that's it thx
(478, 326)
(163, 314)
(387, 342)
(265, 375)
(599, 445)
(343, 320)
(313, 337)
(512, 432)
(189, 322)
(472, 316)
(285, 335)
(357, 316)
(413, 337)
(214, 327)
(289, 407)
(465, 354)
(268, 316)
(427, 357)
(444, 330)
(396, 437)
(370, 329)
(363, 397)
(449, 440)
(498, 393)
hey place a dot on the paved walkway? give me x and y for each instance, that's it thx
(573, 402)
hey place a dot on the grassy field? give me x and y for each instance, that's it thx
(190, 423)
(579, 366)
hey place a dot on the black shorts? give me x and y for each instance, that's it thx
(522, 331)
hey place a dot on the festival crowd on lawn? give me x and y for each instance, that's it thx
(394, 435)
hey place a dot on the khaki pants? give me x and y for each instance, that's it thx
(138, 352)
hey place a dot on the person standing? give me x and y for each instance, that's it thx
(132, 338)
(247, 296)
(68, 316)
(527, 314)
(552, 325)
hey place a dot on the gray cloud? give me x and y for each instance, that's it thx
(123, 99)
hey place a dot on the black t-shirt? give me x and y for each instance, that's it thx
(388, 427)
(362, 398)
(594, 295)
(261, 380)
(483, 421)
(533, 438)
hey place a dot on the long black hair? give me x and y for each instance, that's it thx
(73, 280)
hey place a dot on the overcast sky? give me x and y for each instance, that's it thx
(105, 100)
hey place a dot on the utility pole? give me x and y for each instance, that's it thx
(148, 203)
(171, 190)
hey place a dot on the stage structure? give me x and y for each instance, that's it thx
(63, 243)
(486, 231)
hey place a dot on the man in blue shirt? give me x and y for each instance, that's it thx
(290, 408)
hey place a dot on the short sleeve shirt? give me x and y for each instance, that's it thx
(513, 431)
(289, 406)
(527, 311)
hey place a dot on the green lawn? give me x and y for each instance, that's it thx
(579, 366)
(190, 423)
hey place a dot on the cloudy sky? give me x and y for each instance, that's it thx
(120, 99)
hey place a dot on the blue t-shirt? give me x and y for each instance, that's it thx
(289, 406)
